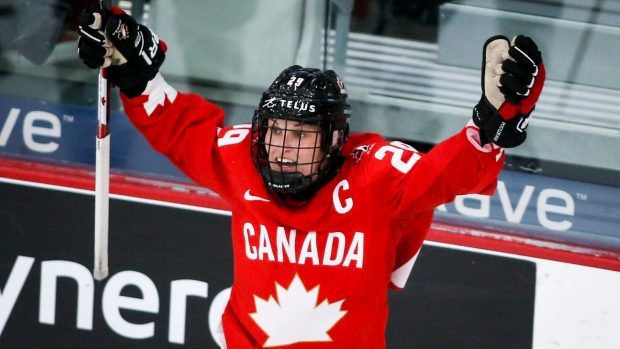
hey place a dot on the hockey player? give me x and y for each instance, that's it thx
(323, 222)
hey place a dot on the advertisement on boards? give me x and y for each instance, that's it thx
(528, 204)
(169, 264)
(171, 267)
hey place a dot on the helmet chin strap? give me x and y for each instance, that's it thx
(285, 182)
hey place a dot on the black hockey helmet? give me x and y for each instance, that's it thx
(306, 96)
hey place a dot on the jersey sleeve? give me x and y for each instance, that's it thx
(184, 128)
(409, 185)
(410, 234)
(416, 182)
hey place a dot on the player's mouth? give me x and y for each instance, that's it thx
(285, 164)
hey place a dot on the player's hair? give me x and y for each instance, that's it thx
(307, 96)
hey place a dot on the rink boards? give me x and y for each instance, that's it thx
(469, 288)
(543, 273)
(525, 204)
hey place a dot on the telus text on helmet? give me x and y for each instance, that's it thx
(289, 104)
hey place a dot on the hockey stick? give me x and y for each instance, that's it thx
(102, 167)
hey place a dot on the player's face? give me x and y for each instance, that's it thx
(293, 146)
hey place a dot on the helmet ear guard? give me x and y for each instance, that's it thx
(338, 138)
(304, 96)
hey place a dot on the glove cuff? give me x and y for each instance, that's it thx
(482, 112)
(127, 79)
(135, 91)
(497, 130)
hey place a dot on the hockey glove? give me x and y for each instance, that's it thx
(93, 47)
(131, 51)
(513, 76)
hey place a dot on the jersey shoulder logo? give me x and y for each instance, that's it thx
(358, 152)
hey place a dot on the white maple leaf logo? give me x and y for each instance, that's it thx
(159, 95)
(295, 317)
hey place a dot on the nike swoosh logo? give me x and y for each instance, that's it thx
(251, 197)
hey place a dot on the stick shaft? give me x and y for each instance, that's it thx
(102, 193)
(102, 168)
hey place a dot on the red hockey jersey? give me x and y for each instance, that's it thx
(315, 276)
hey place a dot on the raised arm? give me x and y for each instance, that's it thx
(513, 76)
(184, 127)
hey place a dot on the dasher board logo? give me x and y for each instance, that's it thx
(559, 207)
(66, 133)
(158, 293)
(39, 128)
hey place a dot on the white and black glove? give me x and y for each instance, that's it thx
(131, 52)
(513, 75)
